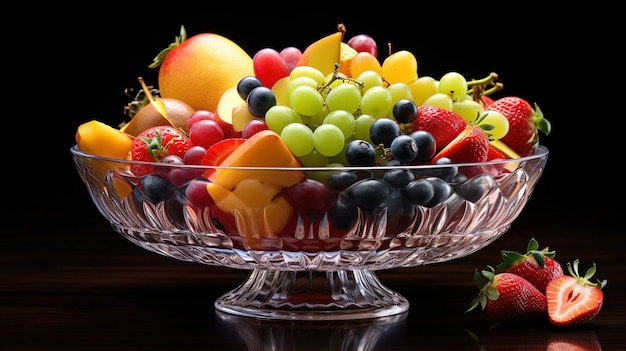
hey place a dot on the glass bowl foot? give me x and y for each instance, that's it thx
(312, 295)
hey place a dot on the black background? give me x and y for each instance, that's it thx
(67, 66)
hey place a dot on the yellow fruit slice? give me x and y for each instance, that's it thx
(323, 54)
(345, 59)
(100, 139)
(258, 211)
(504, 149)
(263, 149)
(229, 100)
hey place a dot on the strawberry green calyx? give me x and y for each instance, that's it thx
(585, 280)
(177, 41)
(541, 123)
(487, 291)
(512, 257)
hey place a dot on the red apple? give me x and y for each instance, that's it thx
(363, 43)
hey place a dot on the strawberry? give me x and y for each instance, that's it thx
(537, 266)
(217, 152)
(493, 154)
(524, 124)
(154, 144)
(507, 297)
(486, 101)
(471, 145)
(444, 125)
(573, 299)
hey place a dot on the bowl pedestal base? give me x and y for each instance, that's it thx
(312, 295)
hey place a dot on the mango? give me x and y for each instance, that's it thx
(258, 211)
(323, 54)
(263, 149)
(100, 139)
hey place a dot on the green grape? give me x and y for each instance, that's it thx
(277, 117)
(307, 71)
(345, 97)
(376, 102)
(340, 158)
(314, 159)
(306, 100)
(441, 100)
(422, 88)
(318, 119)
(298, 138)
(328, 139)
(467, 108)
(362, 126)
(322, 176)
(498, 122)
(342, 119)
(369, 79)
(453, 84)
(298, 81)
(401, 66)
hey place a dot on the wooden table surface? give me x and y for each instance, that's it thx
(78, 285)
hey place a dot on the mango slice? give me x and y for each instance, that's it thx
(263, 149)
(100, 139)
(323, 54)
(258, 211)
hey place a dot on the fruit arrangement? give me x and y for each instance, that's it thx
(332, 106)
(532, 286)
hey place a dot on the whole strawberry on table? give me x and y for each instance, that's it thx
(533, 286)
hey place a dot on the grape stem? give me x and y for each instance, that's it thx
(336, 76)
(478, 87)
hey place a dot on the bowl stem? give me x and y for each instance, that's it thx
(312, 295)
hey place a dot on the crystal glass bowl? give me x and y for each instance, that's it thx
(312, 238)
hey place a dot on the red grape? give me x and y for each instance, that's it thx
(197, 193)
(363, 43)
(269, 66)
(206, 133)
(292, 55)
(200, 115)
(252, 127)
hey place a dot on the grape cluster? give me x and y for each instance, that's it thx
(323, 120)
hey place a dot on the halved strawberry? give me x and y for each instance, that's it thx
(507, 297)
(524, 124)
(471, 145)
(493, 154)
(537, 266)
(444, 125)
(218, 152)
(573, 299)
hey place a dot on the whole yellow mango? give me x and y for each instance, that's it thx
(198, 70)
